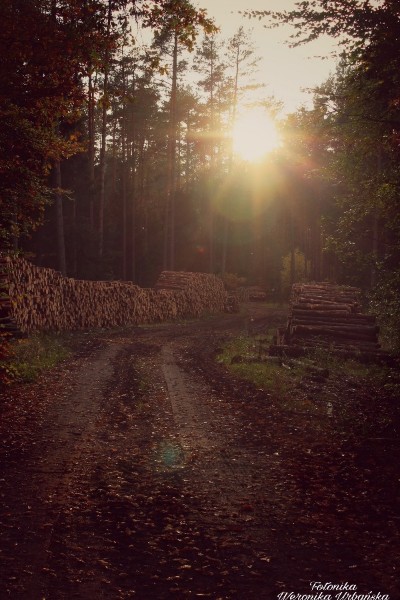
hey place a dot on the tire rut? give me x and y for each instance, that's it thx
(187, 408)
(156, 475)
(36, 494)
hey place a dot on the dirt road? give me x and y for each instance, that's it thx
(141, 469)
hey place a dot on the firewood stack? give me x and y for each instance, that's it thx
(40, 299)
(257, 294)
(242, 293)
(194, 293)
(325, 314)
(8, 325)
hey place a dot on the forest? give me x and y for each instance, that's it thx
(117, 159)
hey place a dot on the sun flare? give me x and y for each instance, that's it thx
(254, 135)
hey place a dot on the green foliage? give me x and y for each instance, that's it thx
(320, 384)
(340, 162)
(270, 376)
(355, 22)
(361, 168)
(43, 99)
(354, 126)
(42, 89)
(293, 272)
(384, 301)
(232, 281)
(243, 346)
(178, 16)
(30, 356)
(6, 374)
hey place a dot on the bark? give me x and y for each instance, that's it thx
(169, 233)
(74, 246)
(91, 150)
(62, 304)
(132, 187)
(211, 233)
(375, 247)
(292, 249)
(375, 227)
(61, 262)
(225, 238)
(225, 234)
(103, 139)
(124, 183)
(212, 162)
(322, 314)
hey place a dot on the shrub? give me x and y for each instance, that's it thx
(232, 281)
(28, 357)
(384, 302)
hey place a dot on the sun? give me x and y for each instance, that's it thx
(254, 135)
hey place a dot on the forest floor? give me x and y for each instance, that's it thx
(142, 468)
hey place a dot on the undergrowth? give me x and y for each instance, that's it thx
(355, 394)
(242, 357)
(32, 355)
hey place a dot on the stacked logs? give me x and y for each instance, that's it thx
(40, 299)
(8, 326)
(257, 294)
(252, 293)
(194, 293)
(325, 314)
(242, 293)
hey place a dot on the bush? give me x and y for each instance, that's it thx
(300, 268)
(384, 302)
(232, 281)
(28, 357)
(5, 356)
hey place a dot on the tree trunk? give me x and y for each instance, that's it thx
(169, 240)
(74, 246)
(375, 246)
(225, 235)
(133, 226)
(61, 262)
(103, 139)
(132, 183)
(292, 249)
(124, 181)
(212, 163)
(211, 233)
(375, 228)
(91, 150)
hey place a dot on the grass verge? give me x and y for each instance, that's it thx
(32, 355)
(345, 391)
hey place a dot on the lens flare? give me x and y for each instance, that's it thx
(254, 135)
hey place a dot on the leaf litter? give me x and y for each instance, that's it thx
(133, 507)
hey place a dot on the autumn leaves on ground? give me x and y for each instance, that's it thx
(142, 468)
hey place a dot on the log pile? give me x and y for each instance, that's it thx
(328, 315)
(40, 299)
(250, 293)
(242, 293)
(257, 294)
(194, 293)
(8, 325)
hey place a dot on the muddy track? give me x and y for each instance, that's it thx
(140, 469)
